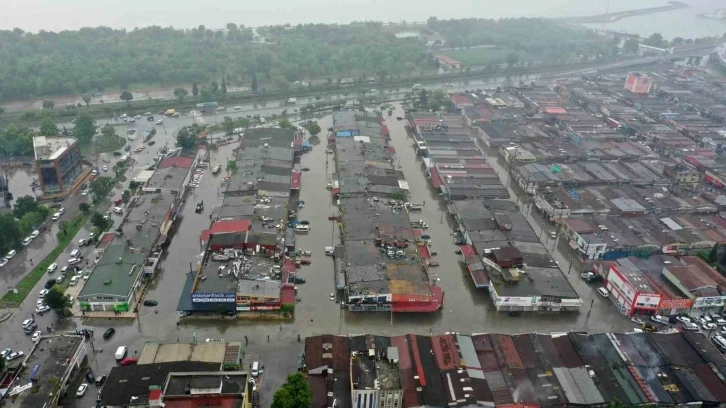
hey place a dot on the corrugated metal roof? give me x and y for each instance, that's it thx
(510, 352)
(586, 385)
(671, 224)
(572, 392)
(469, 359)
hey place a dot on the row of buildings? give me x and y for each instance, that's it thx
(524, 370)
(381, 261)
(502, 253)
(127, 257)
(247, 261)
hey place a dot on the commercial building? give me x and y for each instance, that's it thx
(396, 279)
(57, 162)
(44, 376)
(177, 384)
(241, 268)
(127, 259)
(631, 291)
(227, 355)
(698, 281)
(523, 370)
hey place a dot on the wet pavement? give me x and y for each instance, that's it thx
(465, 308)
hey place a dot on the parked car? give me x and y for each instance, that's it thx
(27, 241)
(108, 333)
(683, 319)
(81, 390)
(55, 216)
(90, 377)
(12, 356)
(3, 262)
(36, 337)
(42, 309)
(659, 319)
(150, 302)
(11, 254)
(603, 292)
(100, 380)
(52, 267)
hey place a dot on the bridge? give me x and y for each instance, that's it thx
(615, 16)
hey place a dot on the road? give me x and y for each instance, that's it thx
(466, 309)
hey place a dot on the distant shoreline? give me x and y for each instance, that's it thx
(619, 15)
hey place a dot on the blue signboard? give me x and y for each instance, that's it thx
(200, 297)
(206, 104)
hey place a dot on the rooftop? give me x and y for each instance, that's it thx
(51, 358)
(206, 352)
(51, 147)
(134, 381)
(199, 383)
(259, 288)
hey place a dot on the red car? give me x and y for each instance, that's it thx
(129, 361)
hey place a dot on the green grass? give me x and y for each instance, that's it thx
(30, 280)
(105, 144)
(477, 56)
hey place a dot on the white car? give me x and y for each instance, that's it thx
(55, 216)
(132, 120)
(52, 267)
(27, 241)
(13, 356)
(11, 254)
(35, 234)
(36, 336)
(3, 262)
(42, 293)
(105, 168)
(64, 271)
(683, 319)
(123, 115)
(81, 390)
(137, 117)
(75, 253)
(71, 300)
(39, 303)
(221, 108)
(118, 210)
(61, 210)
(159, 122)
(84, 192)
(147, 113)
(73, 261)
(5, 353)
(709, 326)
(91, 235)
(237, 108)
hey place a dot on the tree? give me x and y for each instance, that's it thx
(126, 96)
(224, 86)
(285, 124)
(126, 196)
(48, 104)
(56, 299)
(180, 93)
(29, 222)
(655, 40)
(312, 127)
(187, 136)
(100, 187)
(63, 226)
(228, 125)
(11, 233)
(24, 205)
(195, 89)
(48, 127)
(630, 46)
(85, 128)
(439, 100)
(231, 166)
(254, 83)
(2, 110)
(99, 222)
(87, 99)
(85, 208)
(294, 393)
(108, 131)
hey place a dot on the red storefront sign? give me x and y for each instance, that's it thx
(667, 304)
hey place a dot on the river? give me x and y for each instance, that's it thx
(35, 15)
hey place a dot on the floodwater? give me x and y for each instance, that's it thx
(36, 15)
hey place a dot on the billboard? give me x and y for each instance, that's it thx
(201, 297)
(668, 304)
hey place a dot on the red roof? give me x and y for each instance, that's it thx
(225, 227)
(422, 304)
(461, 99)
(287, 296)
(444, 348)
(555, 110)
(468, 251)
(435, 177)
(176, 161)
(200, 402)
(295, 182)
(447, 59)
(384, 130)
(391, 149)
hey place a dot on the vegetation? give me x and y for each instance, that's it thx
(312, 127)
(57, 299)
(27, 215)
(26, 285)
(539, 38)
(85, 208)
(99, 222)
(477, 56)
(108, 141)
(79, 62)
(187, 137)
(285, 124)
(16, 140)
(431, 101)
(294, 393)
(99, 188)
(231, 167)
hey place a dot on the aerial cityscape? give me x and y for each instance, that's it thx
(465, 210)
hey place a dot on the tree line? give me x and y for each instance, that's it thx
(101, 58)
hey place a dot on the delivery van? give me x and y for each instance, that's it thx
(255, 368)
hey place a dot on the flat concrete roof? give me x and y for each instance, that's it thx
(51, 147)
(208, 352)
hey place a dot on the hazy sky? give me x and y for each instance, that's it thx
(55, 15)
